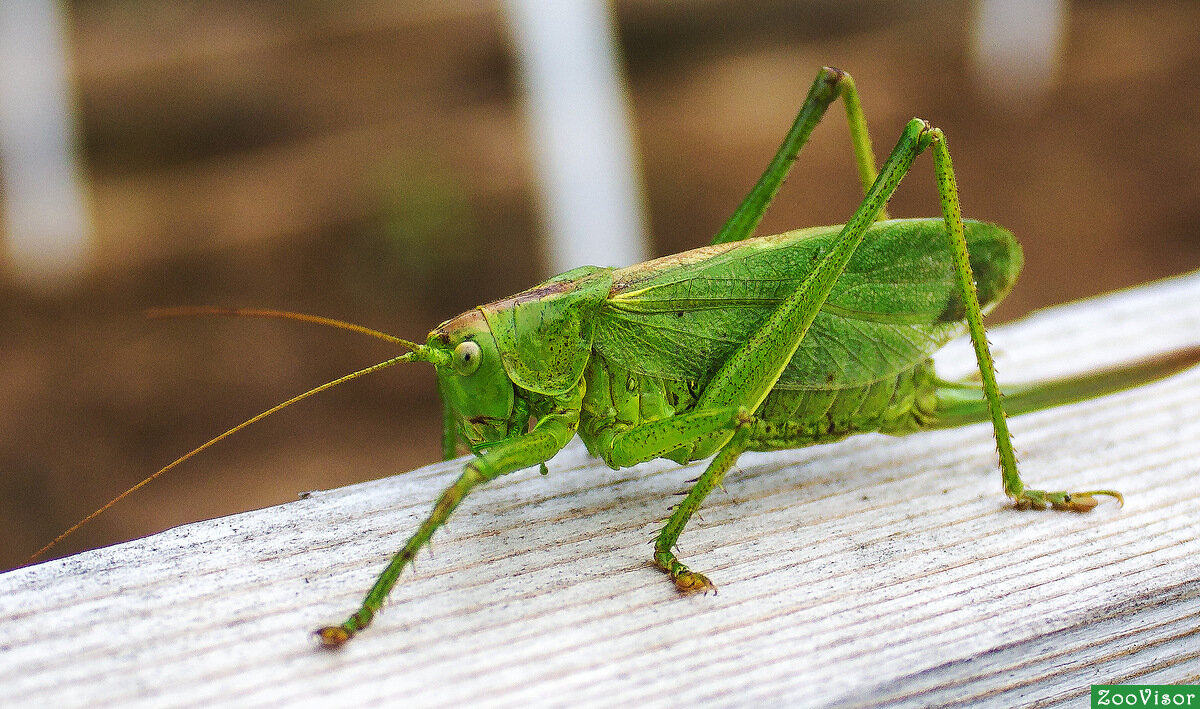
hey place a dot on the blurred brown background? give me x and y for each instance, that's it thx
(368, 161)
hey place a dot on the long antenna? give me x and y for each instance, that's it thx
(406, 357)
(419, 353)
(203, 310)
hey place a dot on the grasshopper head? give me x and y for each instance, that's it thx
(471, 378)
(533, 344)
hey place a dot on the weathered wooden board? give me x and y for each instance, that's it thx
(874, 571)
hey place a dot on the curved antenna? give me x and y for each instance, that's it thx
(406, 357)
(203, 310)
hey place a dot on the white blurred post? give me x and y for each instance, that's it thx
(1017, 48)
(46, 225)
(578, 118)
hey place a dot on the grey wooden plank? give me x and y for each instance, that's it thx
(875, 571)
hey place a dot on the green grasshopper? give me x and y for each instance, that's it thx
(747, 344)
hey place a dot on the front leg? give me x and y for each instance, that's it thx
(551, 433)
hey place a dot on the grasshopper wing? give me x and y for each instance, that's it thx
(680, 317)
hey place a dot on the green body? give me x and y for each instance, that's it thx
(653, 335)
(750, 343)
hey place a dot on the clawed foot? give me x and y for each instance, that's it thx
(332, 637)
(692, 582)
(1069, 501)
(686, 580)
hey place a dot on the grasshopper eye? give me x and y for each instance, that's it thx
(466, 357)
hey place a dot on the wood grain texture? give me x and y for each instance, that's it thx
(876, 571)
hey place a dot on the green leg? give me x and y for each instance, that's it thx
(745, 379)
(1013, 485)
(750, 374)
(449, 434)
(549, 436)
(828, 86)
(685, 579)
(654, 439)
